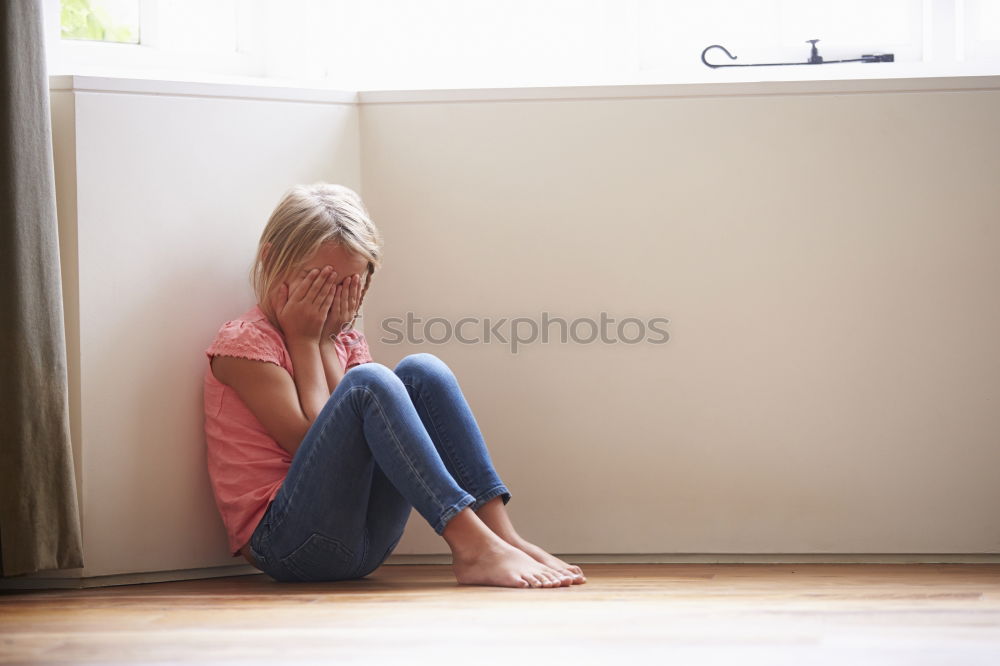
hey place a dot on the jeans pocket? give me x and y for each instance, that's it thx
(254, 545)
(320, 558)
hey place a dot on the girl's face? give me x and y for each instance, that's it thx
(343, 261)
(338, 257)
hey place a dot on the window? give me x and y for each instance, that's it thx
(981, 29)
(168, 38)
(391, 44)
(100, 20)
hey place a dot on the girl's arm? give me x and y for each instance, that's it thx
(285, 407)
(302, 312)
(270, 394)
(331, 364)
(310, 379)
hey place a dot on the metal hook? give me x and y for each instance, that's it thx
(814, 58)
(716, 46)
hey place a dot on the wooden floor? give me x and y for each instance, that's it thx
(803, 614)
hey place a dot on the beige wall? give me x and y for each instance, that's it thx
(828, 264)
(162, 198)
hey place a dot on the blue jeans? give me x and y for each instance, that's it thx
(385, 442)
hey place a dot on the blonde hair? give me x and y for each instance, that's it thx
(306, 217)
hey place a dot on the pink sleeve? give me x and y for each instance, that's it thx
(244, 340)
(357, 348)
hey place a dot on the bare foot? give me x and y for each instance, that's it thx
(506, 566)
(549, 560)
(494, 515)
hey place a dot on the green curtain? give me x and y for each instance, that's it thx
(39, 518)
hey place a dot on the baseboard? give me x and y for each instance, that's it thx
(40, 582)
(740, 558)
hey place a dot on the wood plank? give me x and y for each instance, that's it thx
(733, 613)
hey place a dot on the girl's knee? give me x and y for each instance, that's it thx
(423, 364)
(372, 374)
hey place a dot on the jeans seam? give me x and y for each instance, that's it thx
(400, 448)
(445, 442)
(496, 491)
(365, 547)
(452, 511)
(256, 554)
(322, 432)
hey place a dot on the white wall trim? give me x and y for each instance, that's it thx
(245, 89)
(236, 89)
(732, 89)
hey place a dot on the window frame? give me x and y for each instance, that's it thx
(945, 44)
(78, 56)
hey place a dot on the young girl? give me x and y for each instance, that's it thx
(316, 453)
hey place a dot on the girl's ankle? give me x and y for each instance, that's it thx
(468, 537)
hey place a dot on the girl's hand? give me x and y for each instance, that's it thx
(302, 307)
(346, 299)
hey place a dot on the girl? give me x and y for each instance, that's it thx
(316, 453)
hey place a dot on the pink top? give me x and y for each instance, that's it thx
(245, 464)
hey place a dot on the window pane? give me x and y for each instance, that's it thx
(848, 22)
(196, 27)
(100, 20)
(988, 23)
